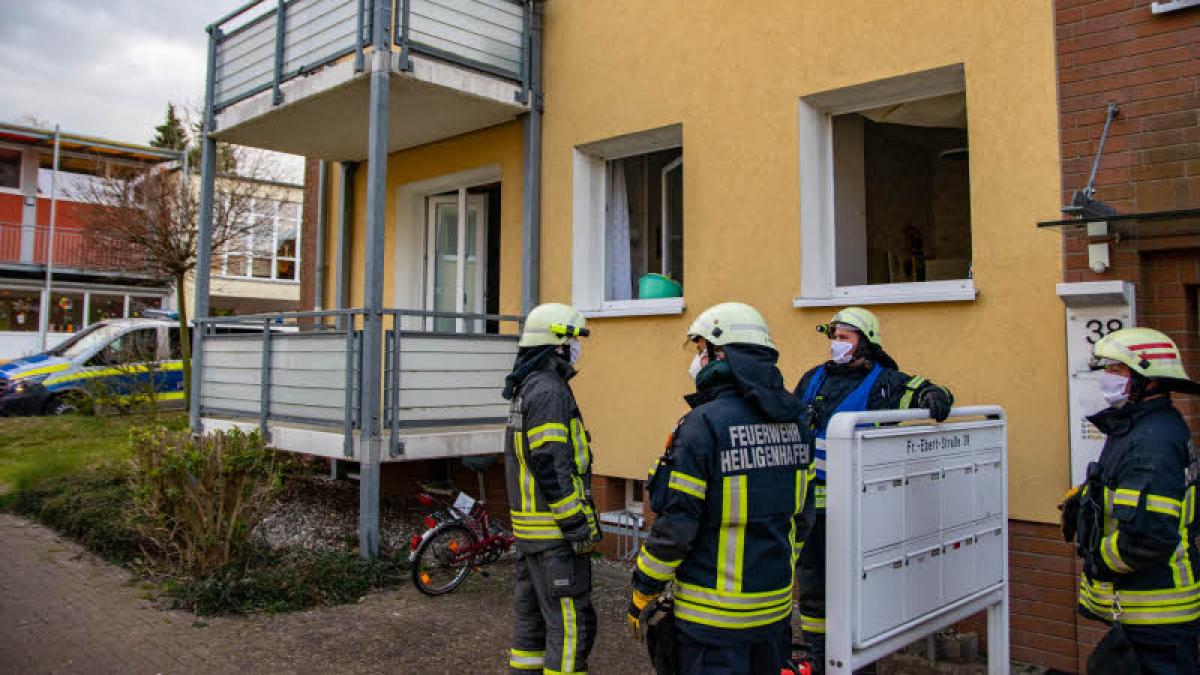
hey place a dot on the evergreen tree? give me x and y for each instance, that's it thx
(171, 134)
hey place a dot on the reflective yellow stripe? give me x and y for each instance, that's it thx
(801, 497)
(687, 484)
(661, 570)
(1172, 605)
(733, 534)
(812, 624)
(1125, 497)
(524, 476)
(819, 495)
(1112, 556)
(34, 372)
(582, 452)
(1164, 505)
(570, 630)
(734, 602)
(526, 660)
(1181, 564)
(910, 389)
(708, 616)
(546, 433)
(567, 506)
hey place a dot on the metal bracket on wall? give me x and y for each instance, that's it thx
(1082, 203)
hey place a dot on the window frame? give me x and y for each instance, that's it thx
(818, 224)
(246, 249)
(590, 179)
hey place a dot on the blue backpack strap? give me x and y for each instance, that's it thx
(814, 386)
(858, 399)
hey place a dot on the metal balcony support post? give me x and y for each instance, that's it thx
(531, 203)
(405, 64)
(280, 29)
(264, 384)
(373, 279)
(208, 177)
(322, 225)
(347, 324)
(395, 445)
(359, 58)
(47, 299)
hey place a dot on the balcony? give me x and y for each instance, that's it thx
(293, 75)
(441, 390)
(75, 250)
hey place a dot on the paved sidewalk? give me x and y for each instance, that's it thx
(63, 611)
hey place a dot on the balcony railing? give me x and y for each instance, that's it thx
(312, 375)
(269, 42)
(74, 249)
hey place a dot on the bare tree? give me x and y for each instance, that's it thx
(155, 212)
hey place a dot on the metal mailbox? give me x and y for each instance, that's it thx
(918, 531)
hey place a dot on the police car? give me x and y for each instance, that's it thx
(120, 357)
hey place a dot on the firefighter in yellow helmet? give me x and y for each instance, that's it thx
(548, 461)
(729, 496)
(1134, 518)
(859, 376)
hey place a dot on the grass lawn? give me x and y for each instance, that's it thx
(33, 449)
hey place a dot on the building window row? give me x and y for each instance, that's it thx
(69, 311)
(270, 248)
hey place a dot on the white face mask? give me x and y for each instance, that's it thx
(573, 356)
(1112, 388)
(694, 369)
(841, 351)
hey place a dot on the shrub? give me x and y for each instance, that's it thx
(90, 506)
(196, 500)
(280, 581)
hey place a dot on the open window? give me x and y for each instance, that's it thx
(885, 192)
(629, 224)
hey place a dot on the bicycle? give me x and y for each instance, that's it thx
(459, 538)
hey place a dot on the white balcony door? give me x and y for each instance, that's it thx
(457, 241)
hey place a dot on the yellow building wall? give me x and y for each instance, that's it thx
(501, 145)
(732, 74)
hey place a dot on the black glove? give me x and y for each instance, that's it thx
(938, 401)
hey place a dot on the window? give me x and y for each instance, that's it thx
(66, 313)
(10, 169)
(272, 248)
(20, 310)
(101, 307)
(885, 192)
(629, 224)
(139, 304)
(136, 346)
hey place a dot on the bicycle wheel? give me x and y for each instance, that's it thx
(438, 568)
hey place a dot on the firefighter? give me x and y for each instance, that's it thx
(859, 376)
(548, 464)
(1134, 519)
(728, 494)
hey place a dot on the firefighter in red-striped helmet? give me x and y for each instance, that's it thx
(1134, 519)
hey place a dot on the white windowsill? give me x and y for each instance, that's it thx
(891, 294)
(655, 307)
(286, 282)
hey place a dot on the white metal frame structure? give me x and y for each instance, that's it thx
(921, 513)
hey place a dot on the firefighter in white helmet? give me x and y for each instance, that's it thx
(859, 376)
(728, 493)
(548, 461)
(1134, 518)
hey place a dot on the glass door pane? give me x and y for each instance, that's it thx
(445, 261)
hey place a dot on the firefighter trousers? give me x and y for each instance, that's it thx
(554, 624)
(1165, 649)
(735, 655)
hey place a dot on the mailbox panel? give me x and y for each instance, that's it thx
(959, 578)
(881, 605)
(882, 506)
(958, 504)
(921, 498)
(923, 582)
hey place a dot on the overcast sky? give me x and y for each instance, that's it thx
(103, 67)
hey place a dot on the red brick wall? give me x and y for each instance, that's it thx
(1118, 51)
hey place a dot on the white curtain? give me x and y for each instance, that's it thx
(618, 276)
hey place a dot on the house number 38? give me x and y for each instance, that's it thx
(1098, 329)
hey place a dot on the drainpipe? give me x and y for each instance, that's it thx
(208, 177)
(322, 268)
(531, 202)
(44, 319)
(372, 337)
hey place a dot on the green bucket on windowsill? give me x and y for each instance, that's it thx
(658, 286)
